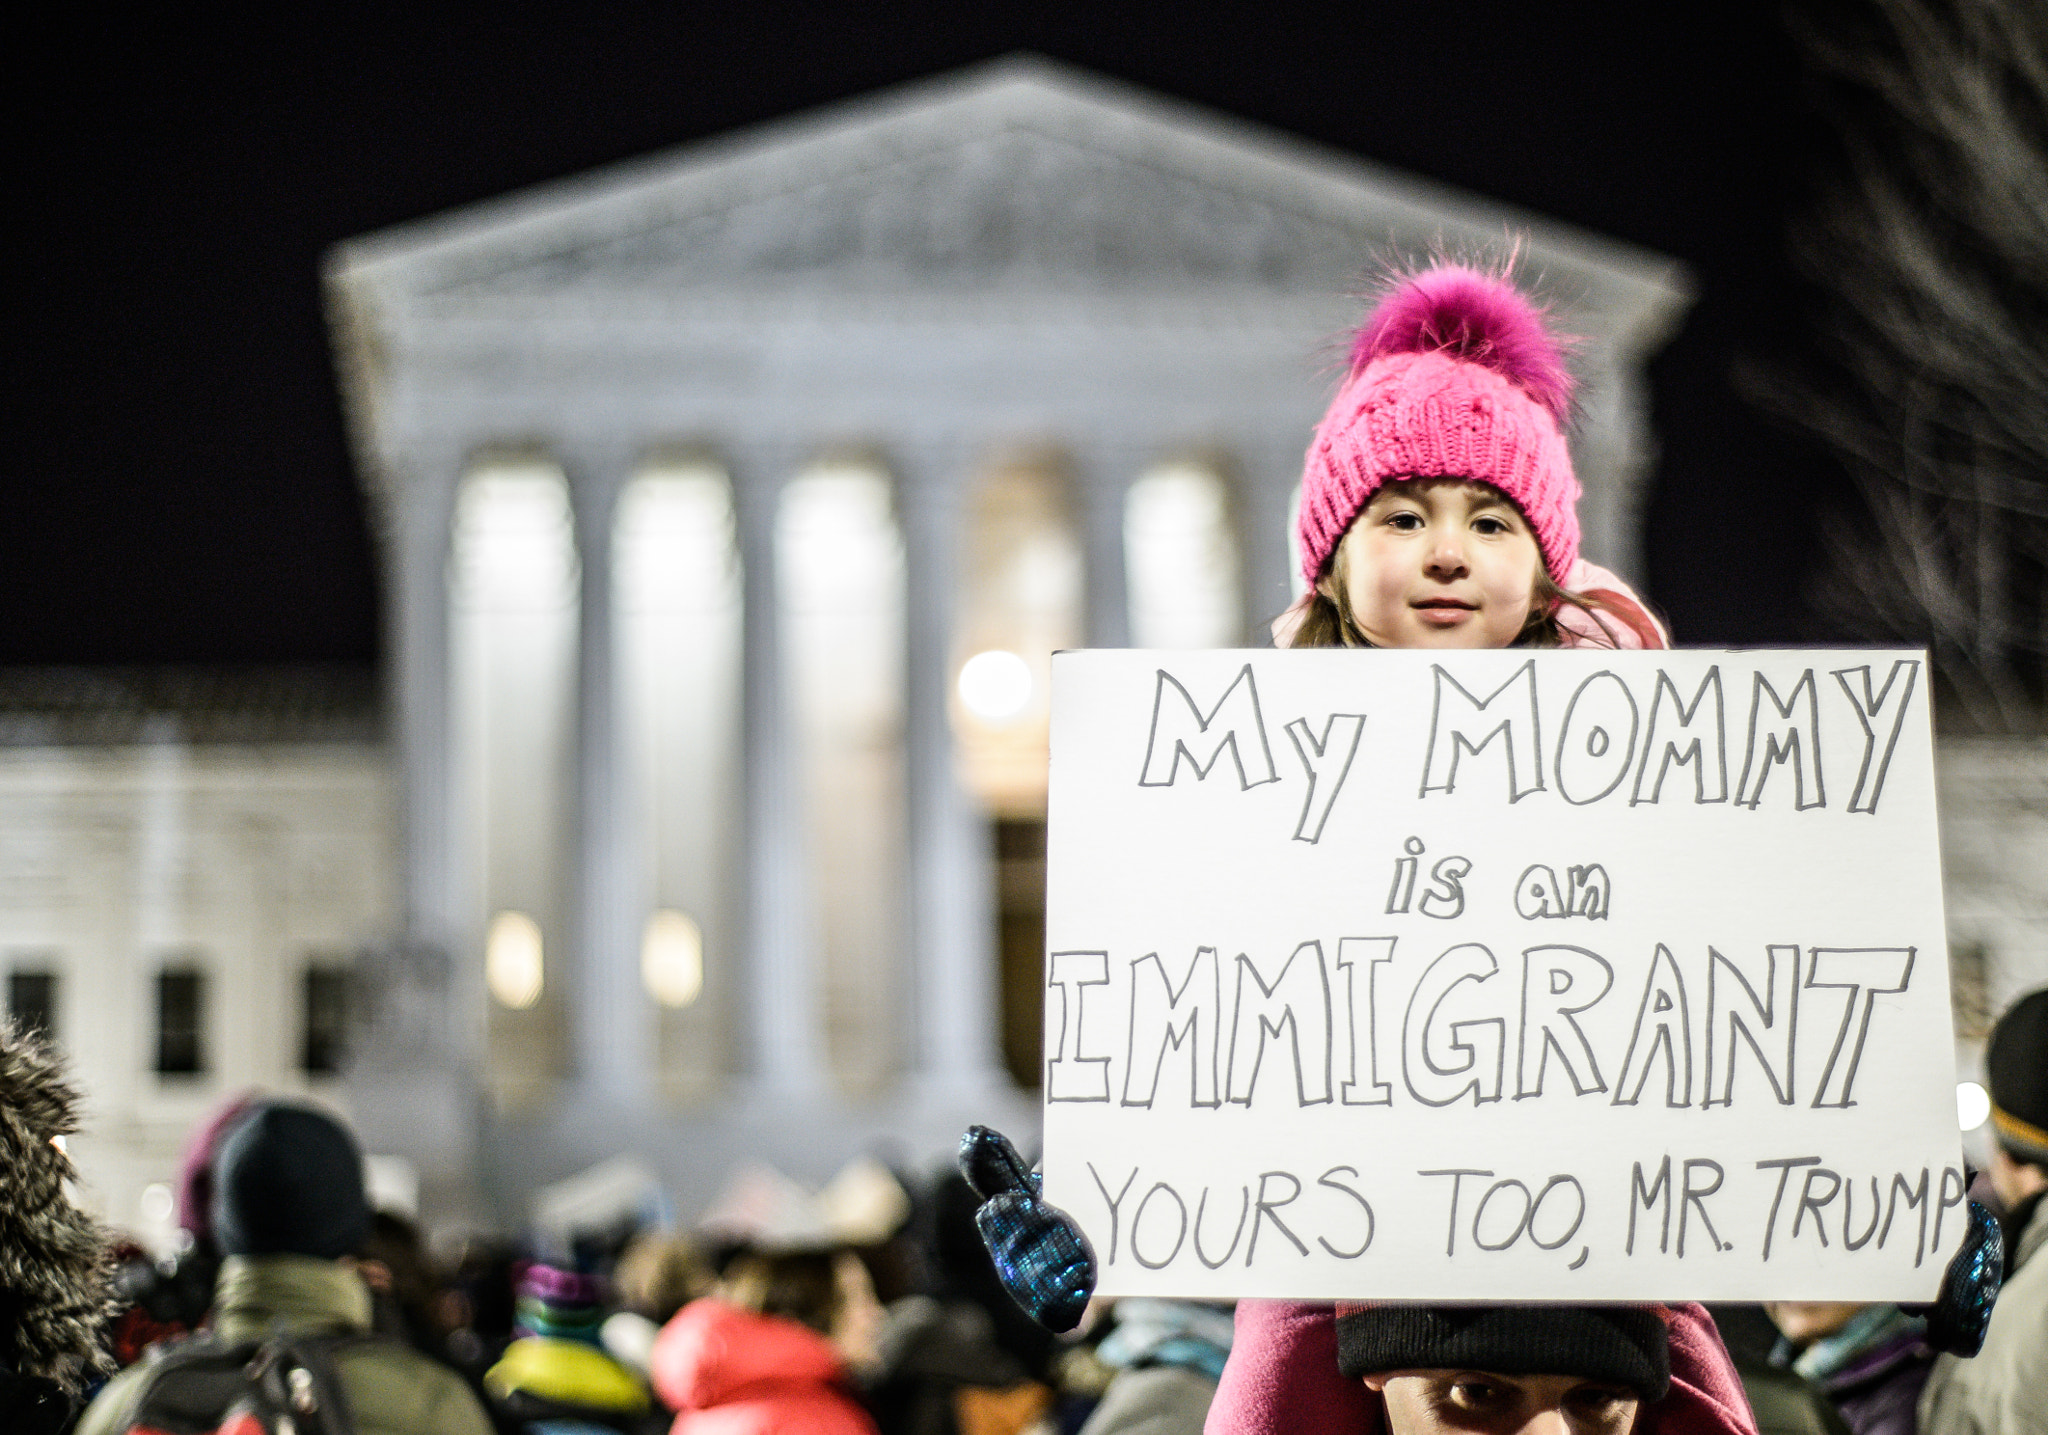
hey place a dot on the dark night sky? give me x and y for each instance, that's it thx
(180, 489)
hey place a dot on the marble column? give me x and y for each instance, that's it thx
(413, 1087)
(609, 1021)
(782, 1030)
(953, 1007)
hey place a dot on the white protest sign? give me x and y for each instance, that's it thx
(1500, 975)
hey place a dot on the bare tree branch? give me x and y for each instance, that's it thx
(1932, 244)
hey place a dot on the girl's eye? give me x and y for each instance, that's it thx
(1492, 527)
(1404, 520)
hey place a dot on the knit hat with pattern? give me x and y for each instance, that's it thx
(1454, 375)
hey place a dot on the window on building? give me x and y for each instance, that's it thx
(32, 1000)
(1181, 561)
(324, 1044)
(1021, 594)
(1020, 599)
(1020, 940)
(180, 1021)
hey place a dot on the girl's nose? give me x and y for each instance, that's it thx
(1446, 554)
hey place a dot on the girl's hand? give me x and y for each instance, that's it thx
(1043, 1260)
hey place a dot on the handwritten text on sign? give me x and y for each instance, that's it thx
(1500, 975)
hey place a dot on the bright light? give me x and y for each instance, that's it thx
(157, 1203)
(1973, 1105)
(512, 960)
(672, 958)
(995, 684)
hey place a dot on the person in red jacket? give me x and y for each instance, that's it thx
(755, 1359)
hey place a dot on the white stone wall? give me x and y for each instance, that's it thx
(249, 860)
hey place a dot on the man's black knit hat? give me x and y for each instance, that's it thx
(2016, 1069)
(289, 1181)
(1625, 1345)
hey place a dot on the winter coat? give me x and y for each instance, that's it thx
(2004, 1390)
(392, 1389)
(54, 1266)
(1283, 1380)
(1153, 1400)
(1168, 1354)
(729, 1371)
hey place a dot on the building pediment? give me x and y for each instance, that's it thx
(1018, 176)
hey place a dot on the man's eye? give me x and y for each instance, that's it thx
(1477, 1393)
(1598, 1402)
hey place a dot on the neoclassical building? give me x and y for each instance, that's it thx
(731, 503)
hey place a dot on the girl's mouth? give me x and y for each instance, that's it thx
(1442, 612)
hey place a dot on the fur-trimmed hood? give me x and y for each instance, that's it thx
(54, 1265)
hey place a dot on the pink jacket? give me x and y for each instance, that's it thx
(1282, 1379)
(732, 1372)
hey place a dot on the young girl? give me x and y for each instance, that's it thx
(1438, 504)
(1438, 510)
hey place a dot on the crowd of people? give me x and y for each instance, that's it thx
(1438, 510)
(642, 1330)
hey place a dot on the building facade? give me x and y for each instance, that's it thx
(732, 502)
(191, 865)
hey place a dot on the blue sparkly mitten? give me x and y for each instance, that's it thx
(1959, 1316)
(1043, 1260)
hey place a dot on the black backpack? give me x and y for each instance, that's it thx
(282, 1385)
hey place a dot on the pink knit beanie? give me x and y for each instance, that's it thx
(1453, 375)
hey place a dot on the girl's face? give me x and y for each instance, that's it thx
(1439, 563)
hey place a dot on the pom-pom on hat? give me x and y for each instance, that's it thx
(1453, 375)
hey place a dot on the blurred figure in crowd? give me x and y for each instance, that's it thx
(657, 1274)
(404, 1287)
(556, 1378)
(289, 1210)
(1872, 1360)
(160, 1299)
(1783, 1401)
(54, 1266)
(1168, 1356)
(2004, 1390)
(758, 1356)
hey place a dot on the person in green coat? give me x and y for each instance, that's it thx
(289, 1209)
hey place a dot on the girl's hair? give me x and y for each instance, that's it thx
(1328, 621)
